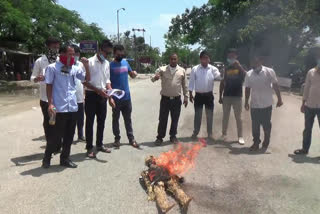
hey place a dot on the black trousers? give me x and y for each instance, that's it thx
(309, 115)
(95, 106)
(63, 129)
(261, 117)
(44, 108)
(80, 119)
(200, 100)
(124, 107)
(172, 106)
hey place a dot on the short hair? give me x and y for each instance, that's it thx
(64, 48)
(232, 50)
(76, 48)
(173, 55)
(118, 48)
(204, 53)
(105, 44)
(52, 40)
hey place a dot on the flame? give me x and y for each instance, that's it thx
(180, 160)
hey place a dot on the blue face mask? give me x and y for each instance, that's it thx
(102, 57)
(231, 61)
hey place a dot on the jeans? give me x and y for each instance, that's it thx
(200, 100)
(172, 106)
(124, 107)
(261, 117)
(95, 105)
(236, 104)
(309, 115)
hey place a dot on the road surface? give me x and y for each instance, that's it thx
(227, 178)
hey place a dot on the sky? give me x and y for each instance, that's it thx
(152, 15)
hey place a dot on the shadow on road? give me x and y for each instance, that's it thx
(41, 138)
(39, 171)
(167, 143)
(237, 150)
(24, 160)
(80, 157)
(304, 159)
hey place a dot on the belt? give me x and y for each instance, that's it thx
(171, 98)
(204, 94)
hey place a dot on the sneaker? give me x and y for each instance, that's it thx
(223, 138)
(241, 141)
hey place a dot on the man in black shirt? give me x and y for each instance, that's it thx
(231, 93)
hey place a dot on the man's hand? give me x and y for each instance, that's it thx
(133, 74)
(191, 98)
(279, 103)
(51, 109)
(102, 93)
(303, 108)
(85, 61)
(221, 100)
(236, 63)
(185, 102)
(247, 106)
(39, 78)
(112, 103)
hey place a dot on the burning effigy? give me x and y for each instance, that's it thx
(164, 175)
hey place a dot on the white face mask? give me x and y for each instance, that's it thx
(76, 59)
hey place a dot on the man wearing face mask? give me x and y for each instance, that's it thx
(231, 94)
(201, 81)
(119, 71)
(79, 94)
(310, 104)
(61, 92)
(259, 83)
(38, 76)
(96, 97)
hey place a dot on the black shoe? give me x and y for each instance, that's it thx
(194, 137)
(68, 163)
(174, 140)
(254, 147)
(300, 152)
(81, 139)
(117, 144)
(158, 142)
(46, 163)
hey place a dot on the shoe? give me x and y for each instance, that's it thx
(46, 163)
(223, 138)
(174, 140)
(103, 149)
(254, 147)
(158, 142)
(81, 139)
(91, 154)
(241, 141)
(300, 152)
(68, 163)
(117, 144)
(194, 137)
(134, 144)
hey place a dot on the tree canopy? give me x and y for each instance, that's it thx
(31, 22)
(279, 29)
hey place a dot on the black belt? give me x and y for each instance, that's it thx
(171, 98)
(204, 94)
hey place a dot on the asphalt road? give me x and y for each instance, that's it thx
(227, 179)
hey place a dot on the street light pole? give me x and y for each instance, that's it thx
(118, 23)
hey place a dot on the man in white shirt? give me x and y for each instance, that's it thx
(259, 83)
(38, 75)
(310, 105)
(96, 97)
(79, 95)
(201, 81)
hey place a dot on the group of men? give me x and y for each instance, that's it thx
(70, 86)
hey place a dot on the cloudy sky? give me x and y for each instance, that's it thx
(152, 15)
